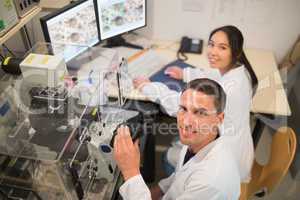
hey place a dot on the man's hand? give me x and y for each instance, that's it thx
(156, 193)
(140, 81)
(174, 72)
(126, 154)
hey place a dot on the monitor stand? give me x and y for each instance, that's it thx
(120, 41)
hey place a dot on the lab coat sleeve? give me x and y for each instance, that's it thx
(170, 99)
(238, 103)
(165, 183)
(161, 94)
(190, 74)
(135, 189)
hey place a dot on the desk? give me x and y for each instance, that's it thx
(270, 97)
(20, 25)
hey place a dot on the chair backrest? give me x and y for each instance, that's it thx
(282, 154)
(267, 177)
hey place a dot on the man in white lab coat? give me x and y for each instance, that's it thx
(206, 169)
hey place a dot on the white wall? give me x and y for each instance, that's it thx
(266, 24)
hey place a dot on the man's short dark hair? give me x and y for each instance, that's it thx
(211, 88)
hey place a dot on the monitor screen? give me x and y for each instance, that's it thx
(71, 28)
(120, 16)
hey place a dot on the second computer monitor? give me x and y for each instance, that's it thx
(120, 16)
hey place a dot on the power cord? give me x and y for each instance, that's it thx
(8, 50)
(32, 32)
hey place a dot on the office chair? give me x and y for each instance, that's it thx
(266, 178)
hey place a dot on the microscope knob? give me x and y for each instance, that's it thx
(105, 148)
(135, 133)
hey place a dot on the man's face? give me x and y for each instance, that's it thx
(197, 118)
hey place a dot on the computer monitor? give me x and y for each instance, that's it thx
(116, 17)
(71, 29)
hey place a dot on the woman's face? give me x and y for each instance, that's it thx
(219, 52)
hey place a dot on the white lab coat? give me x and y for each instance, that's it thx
(211, 174)
(237, 86)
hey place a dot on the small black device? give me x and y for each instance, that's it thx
(189, 45)
(11, 65)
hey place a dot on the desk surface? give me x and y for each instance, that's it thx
(270, 97)
(18, 26)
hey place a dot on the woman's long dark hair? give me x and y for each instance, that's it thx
(236, 41)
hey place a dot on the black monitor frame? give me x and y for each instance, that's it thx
(43, 20)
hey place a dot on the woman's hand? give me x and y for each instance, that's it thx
(126, 154)
(140, 81)
(174, 72)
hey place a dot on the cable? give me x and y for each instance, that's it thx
(181, 54)
(2, 57)
(9, 50)
(32, 32)
(27, 36)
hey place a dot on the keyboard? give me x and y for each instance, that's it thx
(146, 64)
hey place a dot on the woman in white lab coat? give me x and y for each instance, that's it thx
(230, 67)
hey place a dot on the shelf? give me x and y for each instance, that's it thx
(18, 26)
(53, 4)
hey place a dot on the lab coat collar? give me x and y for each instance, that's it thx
(200, 155)
(234, 71)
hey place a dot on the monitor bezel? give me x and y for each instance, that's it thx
(98, 22)
(44, 19)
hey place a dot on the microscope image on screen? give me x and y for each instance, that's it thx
(76, 28)
(72, 29)
(118, 16)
